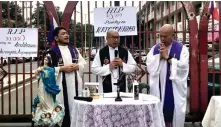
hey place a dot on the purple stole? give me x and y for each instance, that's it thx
(168, 108)
(74, 55)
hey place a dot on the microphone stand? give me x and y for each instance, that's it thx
(118, 98)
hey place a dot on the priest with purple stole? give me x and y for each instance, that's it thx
(168, 68)
(112, 63)
(69, 65)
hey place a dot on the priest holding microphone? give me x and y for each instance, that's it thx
(112, 63)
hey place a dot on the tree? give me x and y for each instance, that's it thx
(78, 30)
(42, 16)
(59, 13)
(12, 12)
(42, 26)
(71, 27)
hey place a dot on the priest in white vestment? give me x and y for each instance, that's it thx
(168, 68)
(69, 65)
(112, 63)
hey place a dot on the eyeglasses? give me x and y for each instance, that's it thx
(115, 37)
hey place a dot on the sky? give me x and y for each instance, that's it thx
(62, 5)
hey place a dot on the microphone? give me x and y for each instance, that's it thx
(88, 99)
(116, 53)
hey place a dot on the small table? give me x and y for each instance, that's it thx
(105, 112)
(212, 117)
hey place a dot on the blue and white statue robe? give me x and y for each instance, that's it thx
(169, 81)
(45, 105)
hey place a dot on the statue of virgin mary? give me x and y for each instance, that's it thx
(47, 111)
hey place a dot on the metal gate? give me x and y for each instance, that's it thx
(19, 86)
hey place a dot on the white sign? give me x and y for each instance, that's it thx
(18, 42)
(122, 19)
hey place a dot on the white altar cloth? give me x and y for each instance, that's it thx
(105, 112)
(212, 117)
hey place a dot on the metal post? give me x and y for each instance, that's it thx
(116, 3)
(144, 30)
(85, 41)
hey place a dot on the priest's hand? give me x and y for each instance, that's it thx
(160, 50)
(163, 51)
(113, 65)
(75, 66)
(67, 68)
(118, 61)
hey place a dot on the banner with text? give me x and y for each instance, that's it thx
(18, 42)
(122, 19)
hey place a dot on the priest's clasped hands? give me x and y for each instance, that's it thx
(116, 63)
(163, 51)
(69, 68)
